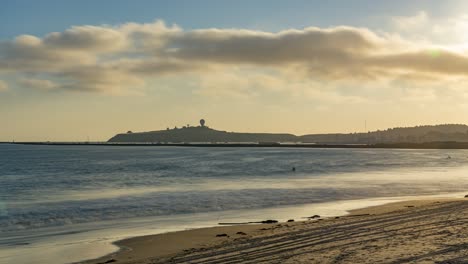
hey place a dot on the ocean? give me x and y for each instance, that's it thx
(62, 204)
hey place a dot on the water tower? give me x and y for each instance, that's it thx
(202, 122)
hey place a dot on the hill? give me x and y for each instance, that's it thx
(418, 134)
(200, 134)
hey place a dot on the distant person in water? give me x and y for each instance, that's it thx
(293, 169)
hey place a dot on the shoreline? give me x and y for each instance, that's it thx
(176, 247)
(454, 145)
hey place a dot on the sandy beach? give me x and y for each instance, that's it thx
(428, 231)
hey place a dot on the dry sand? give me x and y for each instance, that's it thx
(430, 231)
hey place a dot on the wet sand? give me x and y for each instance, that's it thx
(422, 231)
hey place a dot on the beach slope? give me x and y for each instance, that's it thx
(431, 231)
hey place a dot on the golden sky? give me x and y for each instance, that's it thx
(96, 80)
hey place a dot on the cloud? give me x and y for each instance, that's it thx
(38, 84)
(3, 86)
(254, 47)
(324, 54)
(88, 39)
(97, 78)
(422, 27)
(112, 59)
(411, 23)
(29, 54)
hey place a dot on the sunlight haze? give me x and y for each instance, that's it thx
(88, 70)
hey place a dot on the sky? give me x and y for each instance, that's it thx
(79, 70)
